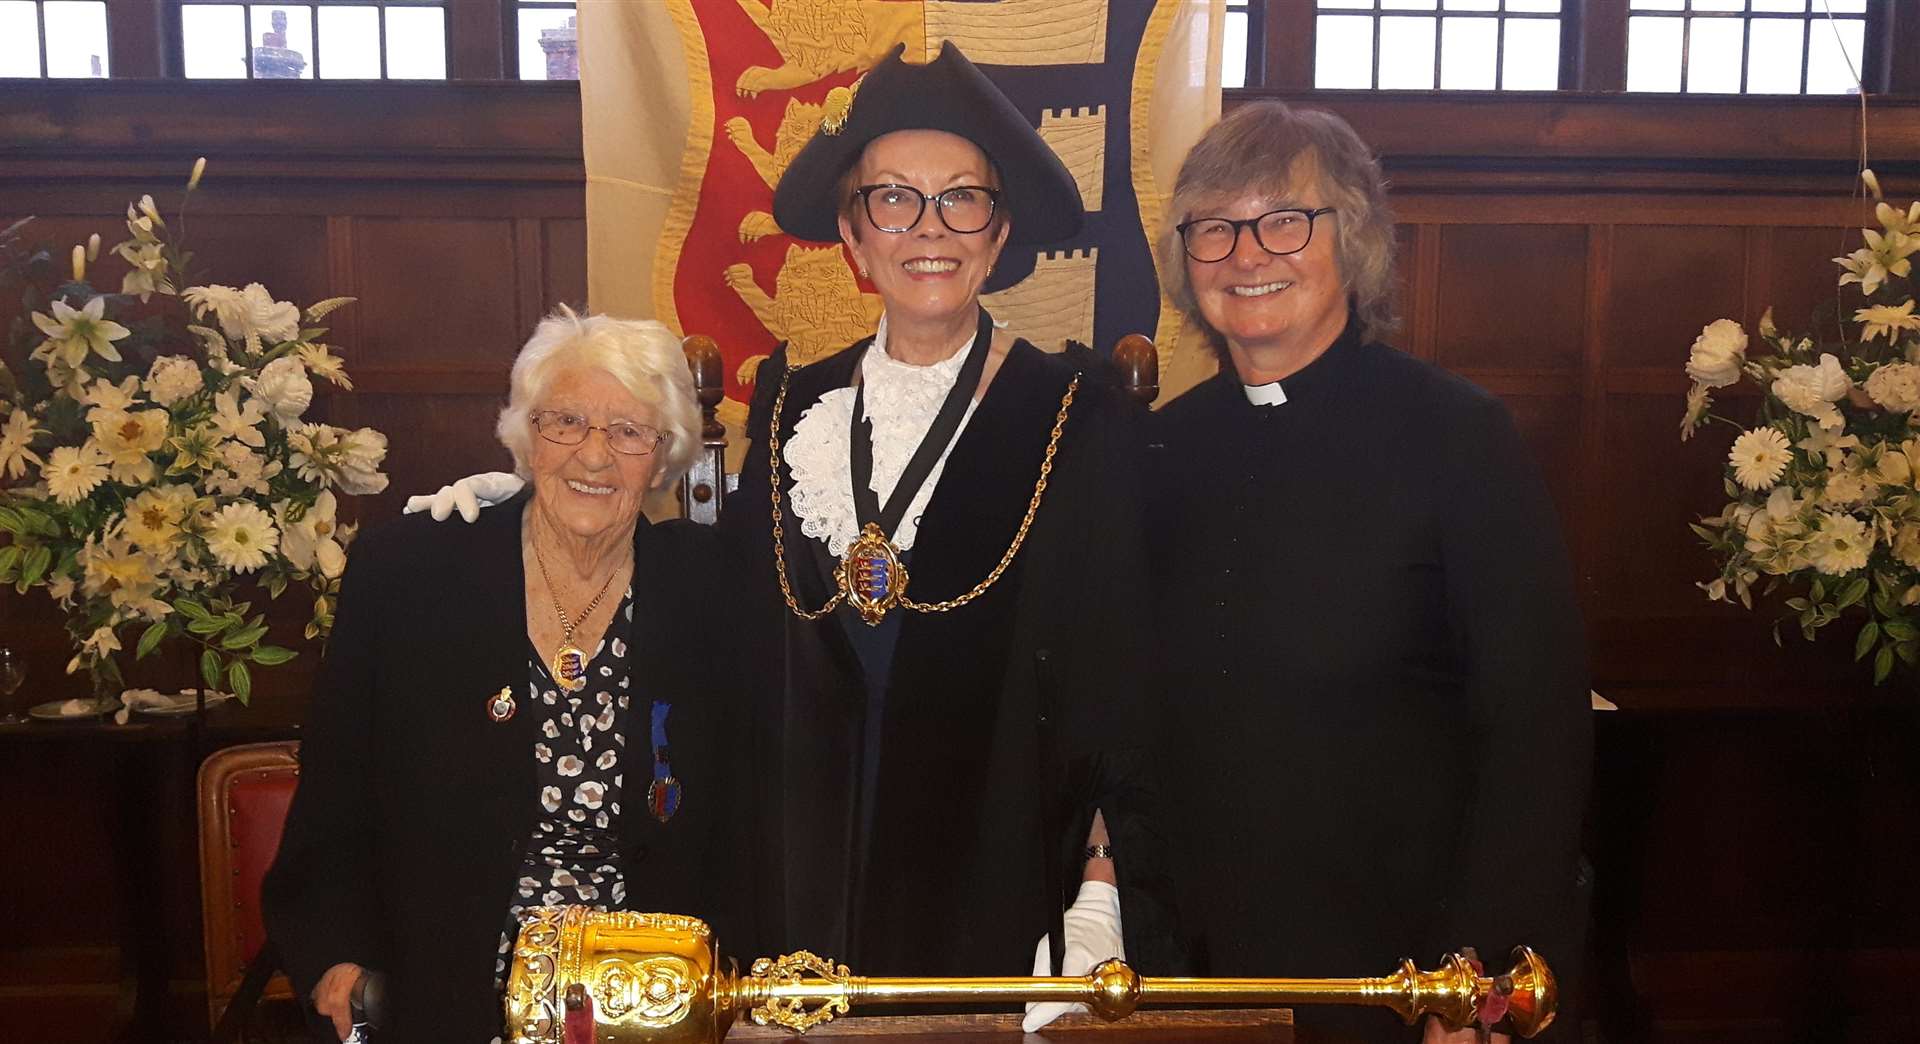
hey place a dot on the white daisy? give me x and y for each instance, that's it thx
(241, 536)
(72, 472)
(1759, 457)
(1841, 545)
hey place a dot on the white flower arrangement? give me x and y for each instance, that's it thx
(1824, 488)
(155, 460)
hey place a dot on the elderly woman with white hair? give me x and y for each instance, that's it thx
(1368, 612)
(513, 713)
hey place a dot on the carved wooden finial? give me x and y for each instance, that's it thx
(709, 385)
(1139, 367)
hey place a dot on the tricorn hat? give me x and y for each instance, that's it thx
(948, 94)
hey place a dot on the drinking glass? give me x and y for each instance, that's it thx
(13, 674)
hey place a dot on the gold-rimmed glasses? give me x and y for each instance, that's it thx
(567, 428)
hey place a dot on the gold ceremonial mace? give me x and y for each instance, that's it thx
(586, 977)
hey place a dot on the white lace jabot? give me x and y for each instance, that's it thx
(901, 400)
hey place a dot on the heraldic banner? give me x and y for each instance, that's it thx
(693, 108)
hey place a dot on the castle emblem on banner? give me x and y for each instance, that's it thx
(764, 74)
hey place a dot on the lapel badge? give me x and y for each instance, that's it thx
(500, 705)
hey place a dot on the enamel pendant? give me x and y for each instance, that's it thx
(872, 576)
(663, 798)
(570, 668)
(500, 705)
(663, 793)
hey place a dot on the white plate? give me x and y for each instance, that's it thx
(50, 710)
(181, 710)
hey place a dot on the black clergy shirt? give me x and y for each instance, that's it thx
(1375, 672)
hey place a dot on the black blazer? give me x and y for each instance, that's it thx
(405, 836)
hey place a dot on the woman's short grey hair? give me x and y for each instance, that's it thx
(643, 355)
(1255, 149)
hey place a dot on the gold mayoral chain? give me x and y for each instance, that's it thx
(569, 662)
(870, 577)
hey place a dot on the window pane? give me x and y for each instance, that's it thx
(548, 48)
(1719, 5)
(213, 38)
(1358, 4)
(1531, 55)
(1713, 56)
(349, 43)
(282, 42)
(1847, 6)
(1773, 56)
(1408, 5)
(1343, 51)
(1467, 59)
(1533, 5)
(1779, 5)
(1653, 54)
(416, 43)
(1658, 5)
(1406, 53)
(1468, 5)
(1827, 66)
(19, 39)
(1233, 50)
(76, 38)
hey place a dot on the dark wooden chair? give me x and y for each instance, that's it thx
(244, 794)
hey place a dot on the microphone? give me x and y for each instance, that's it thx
(367, 1003)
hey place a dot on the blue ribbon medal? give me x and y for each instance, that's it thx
(663, 794)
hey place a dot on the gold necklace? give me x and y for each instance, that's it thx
(569, 661)
(870, 577)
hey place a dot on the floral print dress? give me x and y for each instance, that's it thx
(573, 854)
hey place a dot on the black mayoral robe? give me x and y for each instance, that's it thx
(941, 873)
(1376, 668)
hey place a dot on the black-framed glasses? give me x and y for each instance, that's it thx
(897, 208)
(1284, 231)
(570, 429)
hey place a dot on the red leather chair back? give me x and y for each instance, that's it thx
(244, 794)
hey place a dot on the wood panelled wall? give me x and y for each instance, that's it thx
(1755, 807)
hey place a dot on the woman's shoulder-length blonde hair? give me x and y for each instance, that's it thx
(643, 355)
(1267, 147)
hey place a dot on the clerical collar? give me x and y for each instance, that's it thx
(1310, 379)
(1268, 394)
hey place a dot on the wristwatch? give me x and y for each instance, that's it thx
(1099, 851)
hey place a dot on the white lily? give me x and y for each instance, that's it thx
(73, 332)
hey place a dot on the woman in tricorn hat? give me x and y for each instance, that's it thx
(942, 537)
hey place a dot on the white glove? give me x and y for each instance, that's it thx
(468, 496)
(1092, 928)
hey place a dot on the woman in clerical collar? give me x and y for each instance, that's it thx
(1368, 618)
